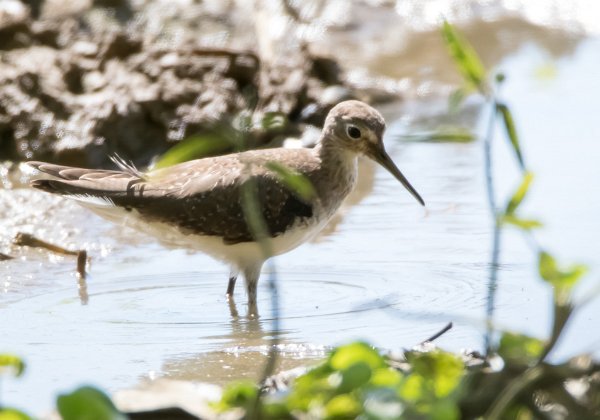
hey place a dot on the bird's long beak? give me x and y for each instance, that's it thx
(379, 155)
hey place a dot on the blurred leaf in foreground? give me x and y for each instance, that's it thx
(519, 195)
(237, 394)
(509, 215)
(456, 99)
(511, 131)
(465, 57)
(563, 279)
(274, 121)
(526, 224)
(519, 348)
(440, 372)
(87, 403)
(12, 362)
(195, 147)
(294, 181)
(13, 414)
(451, 135)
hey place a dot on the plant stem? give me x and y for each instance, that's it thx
(517, 385)
(495, 254)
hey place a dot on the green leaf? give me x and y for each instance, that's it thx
(511, 131)
(442, 135)
(519, 195)
(444, 410)
(413, 388)
(344, 406)
(526, 224)
(561, 278)
(519, 348)
(87, 403)
(441, 371)
(195, 147)
(294, 181)
(238, 394)
(385, 377)
(274, 121)
(465, 57)
(455, 136)
(345, 356)
(12, 362)
(12, 414)
(456, 99)
(355, 376)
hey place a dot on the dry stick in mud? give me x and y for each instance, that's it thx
(438, 334)
(26, 239)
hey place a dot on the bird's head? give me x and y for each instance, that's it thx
(355, 126)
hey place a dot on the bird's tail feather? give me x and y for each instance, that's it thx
(83, 182)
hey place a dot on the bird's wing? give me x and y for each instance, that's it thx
(201, 197)
(211, 203)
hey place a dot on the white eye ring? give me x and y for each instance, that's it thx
(353, 132)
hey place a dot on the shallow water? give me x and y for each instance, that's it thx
(386, 271)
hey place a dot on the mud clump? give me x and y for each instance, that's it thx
(72, 95)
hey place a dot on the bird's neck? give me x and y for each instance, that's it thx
(339, 164)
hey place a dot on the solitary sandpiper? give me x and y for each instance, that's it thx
(198, 204)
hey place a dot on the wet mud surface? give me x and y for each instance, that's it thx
(74, 93)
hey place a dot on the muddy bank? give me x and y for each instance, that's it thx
(75, 93)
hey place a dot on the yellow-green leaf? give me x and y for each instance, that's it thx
(294, 181)
(441, 371)
(345, 356)
(519, 348)
(385, 376)
(13, 414)
(526, 224)
(344, 406)
(511, 131)
(87, 403)
(12, 362)
(561, 278)
(237, 394)
(519, 195)
(195, 147)
(355, 376)
(465, 57)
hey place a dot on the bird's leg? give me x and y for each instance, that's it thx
(233, 275)
(251, 275)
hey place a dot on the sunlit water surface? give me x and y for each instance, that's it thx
(387, 272)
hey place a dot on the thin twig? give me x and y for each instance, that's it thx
(438, 334)
(25, 239)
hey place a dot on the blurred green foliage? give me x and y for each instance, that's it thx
(509, 216)
(465, 57)
(294, 181)
(13, 363)
(87, 403)
(12, 414)
(357, 382)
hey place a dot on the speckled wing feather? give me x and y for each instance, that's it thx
(201, 197)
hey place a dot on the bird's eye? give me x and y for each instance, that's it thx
(353, 132)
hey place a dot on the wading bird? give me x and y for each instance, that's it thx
(198, 204)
